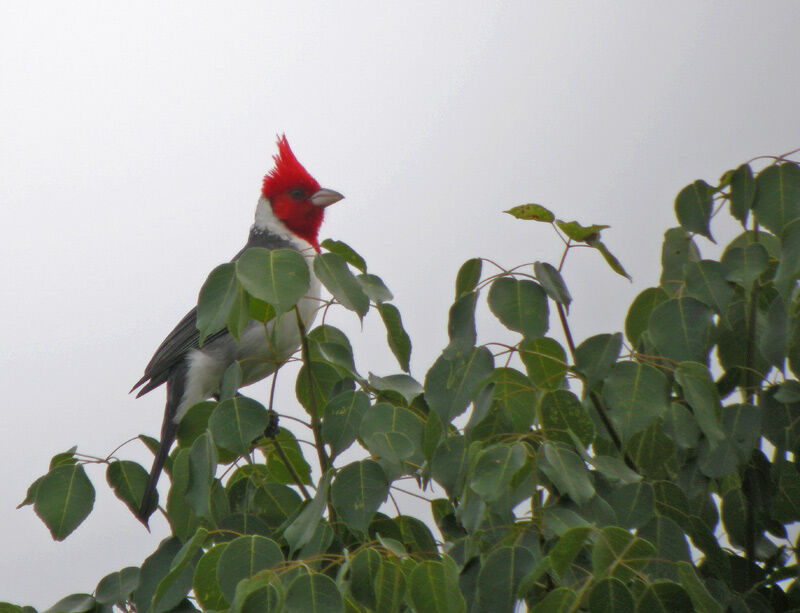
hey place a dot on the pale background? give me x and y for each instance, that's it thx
(133, 141)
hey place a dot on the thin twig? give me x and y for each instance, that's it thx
(279, 448)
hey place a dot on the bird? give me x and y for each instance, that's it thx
(288, 215)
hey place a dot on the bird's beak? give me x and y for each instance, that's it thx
(325, 197)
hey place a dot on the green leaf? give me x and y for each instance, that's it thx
(259, 310)
(314, 385)
(677, 250)
(557, 520)
(639, 313)
(789, 265)
(128, 480)
(633, 504)
(567, 548)
(451, 384)
(357, 492)
(610, 596)
(186, 558)
(280, 277)
(75, 603)
(346, 252)
(613, 263)
(392, 433)
(302, 529)
(734, 517)
(239, 314)
(741, 424)
(390, 586)
(407, 387)
(545, 361)
(450, 463)
(342, 419)
(434, 589)
(363, 570)
(580, 233)
(276, 502)
(636, 395)
(264, 592)
(202, 467)
(461, 324)
(774, 341)
(703, 601)
(314, 593)
(514, 395)
(702, 396)
(153, 570)
(664, 597)
(520, 306)
(30, 495)
(205, 584)
(614, 469)
(291, 450)
(552, 283)
(567, 472)
(681, 426)
(744, 265)
(181, 516)
(237, 422)
(651, 451)
(243, 558)
(743, 192)
(65, 498)
(595, 356)
(500, 577)
(535, 212)
(618, 554)
(194, 422)
(670, 542)
(116, 587)
(786, 499)
(494, 468)
(561, 413)
(231, 381)
(781, 419)
(559, 600)
(777, 199)
(693, 208)
(334, 274)
(216, 299)
(705, 280)
(681, 330)
(396, 336)
(374, 288)
(468, 276)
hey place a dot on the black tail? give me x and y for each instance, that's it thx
(175, 387)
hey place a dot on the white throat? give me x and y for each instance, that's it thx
(266, 221)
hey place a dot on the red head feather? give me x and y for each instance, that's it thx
(289, 188)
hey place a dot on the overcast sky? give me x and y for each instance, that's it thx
(133, 142)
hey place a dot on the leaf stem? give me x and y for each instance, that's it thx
(615, 438)
(279, 448)
(316, 427)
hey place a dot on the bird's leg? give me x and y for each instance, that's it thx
(271, 431)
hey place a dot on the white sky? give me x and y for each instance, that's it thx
(133, 141)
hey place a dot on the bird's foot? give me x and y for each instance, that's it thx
(271, 431)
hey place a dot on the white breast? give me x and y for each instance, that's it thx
(260, 351)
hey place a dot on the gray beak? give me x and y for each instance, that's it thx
(325, 197)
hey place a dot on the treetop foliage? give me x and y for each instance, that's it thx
(654, 470)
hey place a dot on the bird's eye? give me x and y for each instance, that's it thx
(297, 194)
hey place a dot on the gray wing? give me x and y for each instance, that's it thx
(185, 336)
